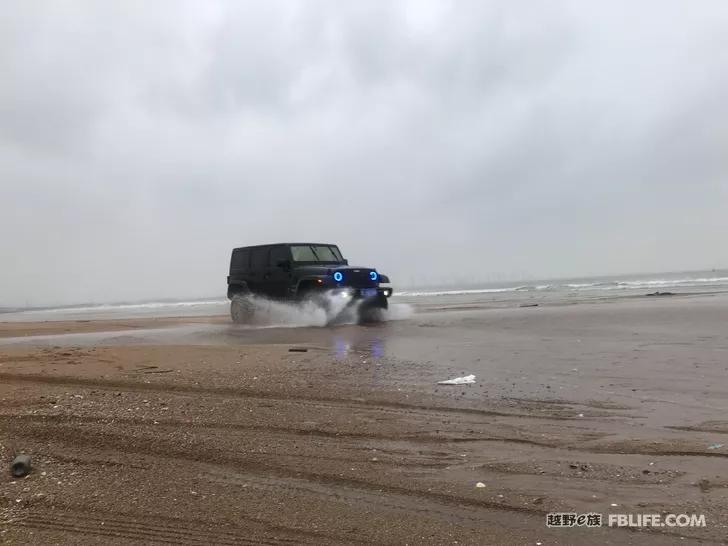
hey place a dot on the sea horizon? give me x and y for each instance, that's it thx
(707, 280)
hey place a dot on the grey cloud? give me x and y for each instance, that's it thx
(139, 142)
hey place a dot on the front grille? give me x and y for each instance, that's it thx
(358, 278)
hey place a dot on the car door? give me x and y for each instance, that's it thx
(259, 269)
(278, 274)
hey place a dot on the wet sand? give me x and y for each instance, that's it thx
(195, 431)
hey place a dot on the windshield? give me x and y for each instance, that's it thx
(316, 253)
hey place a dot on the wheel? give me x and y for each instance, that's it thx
(241, 309)
(373, 310)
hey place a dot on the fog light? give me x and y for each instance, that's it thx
(343, 293)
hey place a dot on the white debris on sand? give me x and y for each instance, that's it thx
(467, 380)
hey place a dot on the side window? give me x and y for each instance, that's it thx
(335, 250)
(325, 254)
(241, 259)
(260, 258)
(278, 254)
(245, 259)
(303, 253)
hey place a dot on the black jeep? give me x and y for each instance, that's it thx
(299, 272)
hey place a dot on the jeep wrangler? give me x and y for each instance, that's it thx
(302, 271)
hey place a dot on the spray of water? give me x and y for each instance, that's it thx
(330, 309)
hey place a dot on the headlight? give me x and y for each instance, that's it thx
(338, 276)
(373, 275)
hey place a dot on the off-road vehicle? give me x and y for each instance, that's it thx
(302, 271)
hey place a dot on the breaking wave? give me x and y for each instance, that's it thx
(651, 283)
(119, 310)
(130, 306)
(597, 285)
(456, 292)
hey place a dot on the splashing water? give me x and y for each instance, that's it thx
(331, 309)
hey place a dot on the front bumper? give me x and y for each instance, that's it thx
(362, 293)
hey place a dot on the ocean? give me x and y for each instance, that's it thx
(558, 291)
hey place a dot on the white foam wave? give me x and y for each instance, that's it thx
(650, 283)
(576, 286)
(120, 310)
(464, 292)
(454, 292)
(676, 282)
(127, 306)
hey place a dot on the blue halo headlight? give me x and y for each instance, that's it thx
(373, 275)
(338, 276)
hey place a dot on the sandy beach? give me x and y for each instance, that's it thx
(190, 430)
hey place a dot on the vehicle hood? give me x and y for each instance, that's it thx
(328, 269)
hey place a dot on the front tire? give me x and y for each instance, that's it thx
(242, 309)
(373, 310)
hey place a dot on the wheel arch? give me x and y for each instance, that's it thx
(312, 282)
(237, 287)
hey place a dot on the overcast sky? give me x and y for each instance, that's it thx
(140, 141)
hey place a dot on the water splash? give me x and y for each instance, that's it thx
(329, 309)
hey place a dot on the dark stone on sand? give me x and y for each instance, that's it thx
(529, 305)
(660, 294)
(20, 466)
(297, 350)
